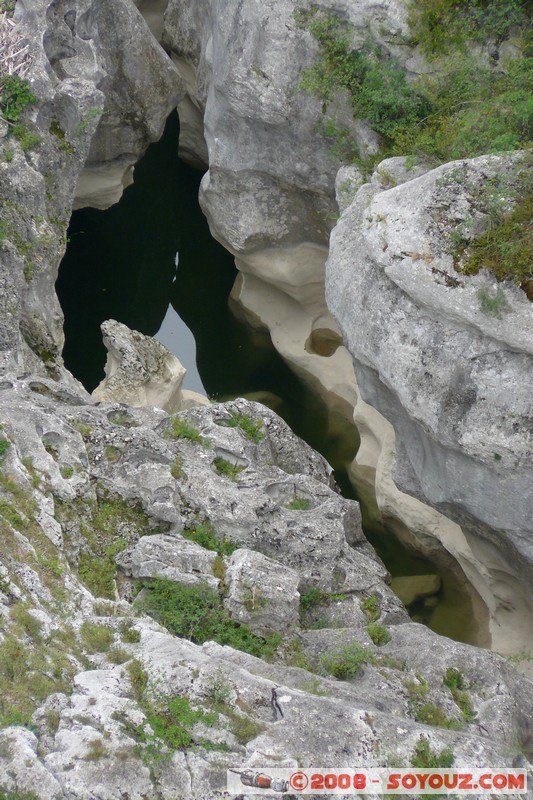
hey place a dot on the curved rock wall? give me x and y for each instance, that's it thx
(268, 194)
(104, 89)
(454, 381)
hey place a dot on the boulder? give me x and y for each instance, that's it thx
(140, 371)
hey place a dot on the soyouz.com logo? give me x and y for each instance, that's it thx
(274, 781)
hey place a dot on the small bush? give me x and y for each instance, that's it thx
(176, 468)
(66, 471)
(130, 635)
(245, 729)
(30, 624)
(205, 535)
(378, 633)
(138, 678)
(250, 427)
(118, 656)
(492, 305)
(196, 613)
(425, 758)
(4, 446)
(346, 662)
(371, 608)
(25, 137)
(454, 680)
(171, 724)
(226, 468)
(95, 751)
(96, 638)
(430, 714)
(15, 96)
(219, 689)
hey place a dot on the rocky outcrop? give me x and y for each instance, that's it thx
(451, 378)
(141, 372)
(130, 708)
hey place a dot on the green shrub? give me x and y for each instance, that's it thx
(492, 304)
(464, 110)
(378, 633)
(30, 624)
(97, 573)
(176, 468)
(196, 613)
(440, 26)
(129, 634)
(96, 638)
(425, 758)
(15, 96)
(250, 427)
(4, 446)
(226, 468)
(346, 662)
(118, 656)
(430, 714)
(138, 678)
(205, 535)
(7, 7)
(371, 608)
(454, 680)
(25, 137)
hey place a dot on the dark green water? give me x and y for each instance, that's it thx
(120, 264)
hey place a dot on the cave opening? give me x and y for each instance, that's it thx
(150, 262)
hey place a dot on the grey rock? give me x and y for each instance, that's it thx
(139, 371)
(170, 557)
(431, 361)
(262, 593)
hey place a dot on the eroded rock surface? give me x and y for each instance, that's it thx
(101, 494)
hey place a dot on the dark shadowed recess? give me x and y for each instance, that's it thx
(120, 264)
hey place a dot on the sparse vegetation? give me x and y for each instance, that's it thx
(130, 635)
(378, 633)
(15, 96)
(455, 681)
(66, 471)
(181, 429)
(226, 468)
(96, 638)
(465, 110)
(299, 504)
(250, 427)
(371, 608)
(176, 468)
(346, 662)
(5, 444)
(205, 535)
(196, 613)
(425, 758)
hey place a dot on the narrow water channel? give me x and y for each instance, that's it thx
(121, 264)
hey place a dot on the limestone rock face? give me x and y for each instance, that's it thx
(104, 88)
(269, 190)
(140, 371)
(89, 487)
(262, 593)
(169, 557)
(454, 381)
